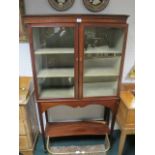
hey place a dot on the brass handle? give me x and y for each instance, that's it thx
(79, 20)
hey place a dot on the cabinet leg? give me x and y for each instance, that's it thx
(42, 128)
(46, 116)
(106, 114)
(113, 118)
(121, 142)
(43, 133)
(112, 124)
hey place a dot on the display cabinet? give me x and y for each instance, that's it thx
(77, 61)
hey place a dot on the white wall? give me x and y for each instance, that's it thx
(115, 7)
(24, 60)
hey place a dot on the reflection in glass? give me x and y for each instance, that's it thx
(54, 55)
(103, 40)
(103, 48)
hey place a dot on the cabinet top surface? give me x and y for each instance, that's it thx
(82, 15)
(73, 17)
(128, 99)
(24, 84)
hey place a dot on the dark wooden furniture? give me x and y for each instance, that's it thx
(77, 61)
(126, 114)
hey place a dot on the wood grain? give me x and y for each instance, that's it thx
(127, 86)
(23, 143)
(128, 99)
(76, 129)
(126, 114)
(27, 152)
(73, 19)
(28, 125)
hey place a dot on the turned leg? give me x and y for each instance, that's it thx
(106, 115)
(114, 112)
(42, 127)
(46, 116)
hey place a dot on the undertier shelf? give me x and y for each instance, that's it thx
(100, 89)
(64, 129)
(57, 93)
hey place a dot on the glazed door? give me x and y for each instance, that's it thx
(101, 53)
(54, 51)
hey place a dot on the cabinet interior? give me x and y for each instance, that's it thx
(54, 61)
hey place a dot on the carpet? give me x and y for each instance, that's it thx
(95, 143)
(72, 150)
(79, 145)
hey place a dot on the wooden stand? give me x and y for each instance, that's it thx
(28, 126)
(126, 115)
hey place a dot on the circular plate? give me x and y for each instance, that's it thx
(61, 5)
(95, 5)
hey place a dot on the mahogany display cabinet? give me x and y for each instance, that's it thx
(77, 61)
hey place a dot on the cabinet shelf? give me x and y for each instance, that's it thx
(100, 89)
(59, 72)
(76, 129)
(97, 50)
(54, 51)
(69, 72)
(102, 49)
(57, 93)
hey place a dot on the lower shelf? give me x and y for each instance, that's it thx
(76, 128)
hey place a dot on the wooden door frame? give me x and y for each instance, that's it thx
(81, 52)
(76, 60)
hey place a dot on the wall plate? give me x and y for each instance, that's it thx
(96, 5)
(61, 5)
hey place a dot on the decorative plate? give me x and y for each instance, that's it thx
(96, 5)
(61, 5)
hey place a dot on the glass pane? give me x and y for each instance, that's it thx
(102, 57)
(54, 61)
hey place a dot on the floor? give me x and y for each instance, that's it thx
(129, 148)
